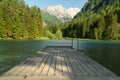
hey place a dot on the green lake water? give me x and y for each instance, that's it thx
(106, 53)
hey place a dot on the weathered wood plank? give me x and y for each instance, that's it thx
(15, 73)
(85, 65)
(12, 78)
(47, 65)
(51, 71)
(59, 78)
(101, 71)
(69, 65)
(75, 65)
(35, 73)
(80, 67)
(36, 64)
(64, 65)
(69, 68)
(28, 67)
(14, 69)
(59, 63)
(41, 65)
(58, 69)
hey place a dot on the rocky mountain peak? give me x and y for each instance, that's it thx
(61, 12)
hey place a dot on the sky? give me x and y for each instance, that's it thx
(66, 3)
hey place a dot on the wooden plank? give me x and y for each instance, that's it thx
(64, 65)
(89, 65)
(51, 71)
(98, 69)
(84, 65)
(12, 78)
(71, 78)
(55, 61)
(28, 67)
(36, 64)
(59, 78)
(49, 78)
(47, 65)
(58, 69)
(22, 67)
(58, 63)
(14, 69)
(41, 65)
(75, 65)
(80, 67)
(44, 66)
(69, 68)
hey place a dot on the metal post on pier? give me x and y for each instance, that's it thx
(77, 44)
(72, 43)
(77, 38)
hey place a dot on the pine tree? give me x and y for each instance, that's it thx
(18, 21)
(101, 27)
(59, 34)
(115, 28)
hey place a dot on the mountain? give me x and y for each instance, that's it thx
(98, 19)
(95, 5)
(62, 13)
(50, 19)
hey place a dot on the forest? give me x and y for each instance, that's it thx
(98, 19)
(18, 21)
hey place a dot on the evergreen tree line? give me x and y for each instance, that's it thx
(53, 31)
(101, 23)
(18, 21)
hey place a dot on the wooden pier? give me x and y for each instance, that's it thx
(59, 63)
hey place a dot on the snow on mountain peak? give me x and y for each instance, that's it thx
(62, 13)
(73, 11)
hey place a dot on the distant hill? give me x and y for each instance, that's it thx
(50, 19)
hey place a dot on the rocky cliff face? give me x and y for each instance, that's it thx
(62, 13)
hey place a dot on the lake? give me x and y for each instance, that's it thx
(106, 53)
